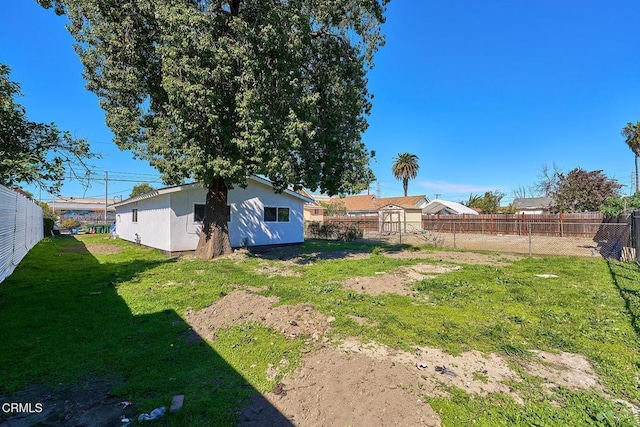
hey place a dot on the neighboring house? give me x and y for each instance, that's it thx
(445, 207)
(393, 213)
(532, 205)
(368, 205)
(358, 206)
(170, 218)
(313, 211)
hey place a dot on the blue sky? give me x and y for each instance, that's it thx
(483, 92)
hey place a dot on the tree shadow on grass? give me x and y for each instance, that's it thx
(622, 276)
(74, 354)
(319, 249)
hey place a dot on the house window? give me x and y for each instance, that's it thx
(283, 214)
(134, 215)
(198, 212)
(276, 214)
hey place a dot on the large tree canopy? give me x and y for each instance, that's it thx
(31, 152)
(218, 90)
(582, 191)
(140, 189)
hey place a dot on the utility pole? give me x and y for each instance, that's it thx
(106, 192)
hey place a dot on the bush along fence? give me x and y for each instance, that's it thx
(21, 227)
(583, 234)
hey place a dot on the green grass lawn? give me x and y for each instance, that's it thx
(69, 315)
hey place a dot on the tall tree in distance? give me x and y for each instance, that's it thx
(220, 90)
(631, 133)
(488, 203)
(140, 189)
(547, 180)
(405, 167)
(35, 153)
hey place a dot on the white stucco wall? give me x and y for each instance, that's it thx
(166, 221)
(152, 227)
(247, 206)
(185, 232)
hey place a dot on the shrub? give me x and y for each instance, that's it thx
(70, 223)
(331, 230)
(48, 226)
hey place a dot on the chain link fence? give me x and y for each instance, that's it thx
(598, 239)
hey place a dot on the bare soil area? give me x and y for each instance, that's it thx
(244, 306)
(508, 243)
(93, 248)
(358, 384)
(498, 260)
(397, 281)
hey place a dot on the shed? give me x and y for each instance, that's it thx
(394, 217)
(170, 218)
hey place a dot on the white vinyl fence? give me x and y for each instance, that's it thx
(21, 227)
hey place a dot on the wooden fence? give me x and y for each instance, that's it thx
(559, 225)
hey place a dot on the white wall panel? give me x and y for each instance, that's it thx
(21, 227)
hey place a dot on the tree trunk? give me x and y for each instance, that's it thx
(214, 237)
(637, 190)
(405, 186)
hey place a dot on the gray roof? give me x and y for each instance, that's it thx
(81, 204)
(532, 202)
(181, 187)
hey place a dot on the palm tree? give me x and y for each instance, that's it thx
(405, 167)
(632, 134)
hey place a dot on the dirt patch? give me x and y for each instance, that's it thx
(103, 249)
(482, 374)
(242, 306)
(336, 388)
(498, 260)
(398, 280)
(370, 384)
(470, 370)
(272, 270)
(565, 369)
(296, 255)
(376, 285)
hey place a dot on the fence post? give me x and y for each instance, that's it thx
(454, 235)
(529, 232)
(635, 233)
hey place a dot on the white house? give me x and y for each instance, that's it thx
(532, 205)
(170, 218)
